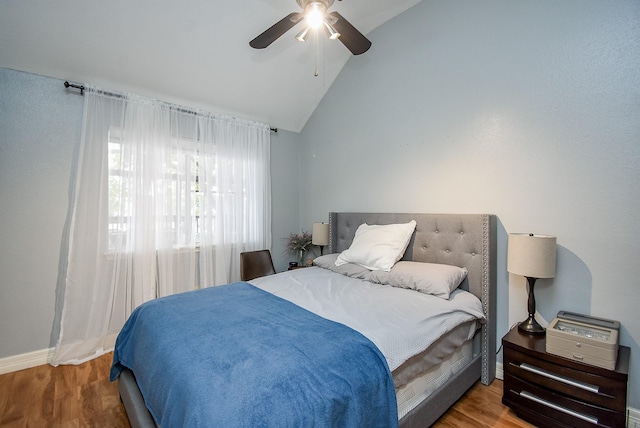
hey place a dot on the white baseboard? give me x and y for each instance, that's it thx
(499, 371)
(633, 415)
(25, 361)
(633, 418)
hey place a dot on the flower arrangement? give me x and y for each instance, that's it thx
(299, 242)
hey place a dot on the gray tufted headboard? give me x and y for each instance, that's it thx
(465, 240)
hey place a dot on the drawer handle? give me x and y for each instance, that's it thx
(575, 414)
(582, 385)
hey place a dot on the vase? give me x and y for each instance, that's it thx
(300, 257)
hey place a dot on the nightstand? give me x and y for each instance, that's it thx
(552, 391)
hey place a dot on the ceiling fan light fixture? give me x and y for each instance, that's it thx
(333, 33)
(303, 35)
(314, 14)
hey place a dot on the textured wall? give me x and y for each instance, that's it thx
(40, 124)
(285, 186)
(528, 110)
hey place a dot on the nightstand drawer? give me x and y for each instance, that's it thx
(587, 387)
(559, 408)
(552, 391)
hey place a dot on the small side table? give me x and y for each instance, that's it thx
(551, 391)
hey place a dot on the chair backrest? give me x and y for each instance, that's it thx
(254, 264)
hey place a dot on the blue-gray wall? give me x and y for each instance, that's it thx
(40, 125)
(528, 110)
(285, 186)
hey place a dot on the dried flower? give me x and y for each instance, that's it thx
(297, 242)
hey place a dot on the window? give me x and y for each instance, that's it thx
(177, 196)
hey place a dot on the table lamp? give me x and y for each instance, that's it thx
(532, 256)
(320, 235)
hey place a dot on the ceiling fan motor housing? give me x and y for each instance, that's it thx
(303, 3)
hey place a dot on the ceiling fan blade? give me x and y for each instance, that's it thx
(350, 36)
(272, 33)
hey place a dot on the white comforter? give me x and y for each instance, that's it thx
(400, 322)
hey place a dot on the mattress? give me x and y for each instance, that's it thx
(401, 323)
(426, 382)
(435, 354)
(432, 350)
(419, 335)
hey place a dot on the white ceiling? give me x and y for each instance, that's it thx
(190, 52)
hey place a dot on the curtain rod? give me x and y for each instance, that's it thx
(82, 88)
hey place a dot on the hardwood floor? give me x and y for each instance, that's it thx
(63, 396)
(481, 407)
(82, 396)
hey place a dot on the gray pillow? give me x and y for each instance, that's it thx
(429, 278)
(349, 269)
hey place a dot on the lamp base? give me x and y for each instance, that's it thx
(531, 326)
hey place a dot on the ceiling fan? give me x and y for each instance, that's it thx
(314, 13)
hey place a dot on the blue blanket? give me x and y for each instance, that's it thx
(237, 356)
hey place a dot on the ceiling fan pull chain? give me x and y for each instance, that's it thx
(315, 42)
(323, 64)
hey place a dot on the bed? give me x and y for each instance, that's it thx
(464, 240)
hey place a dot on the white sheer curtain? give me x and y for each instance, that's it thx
(165, 200)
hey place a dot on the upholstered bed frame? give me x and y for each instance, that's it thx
(465, 240)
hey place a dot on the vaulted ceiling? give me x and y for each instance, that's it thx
(190, 52)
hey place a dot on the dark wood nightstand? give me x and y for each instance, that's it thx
(552, 391)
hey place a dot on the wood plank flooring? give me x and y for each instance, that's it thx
(82, 396)
(481, 407)
(63, 396)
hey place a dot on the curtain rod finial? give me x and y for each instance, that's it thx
(71, 85)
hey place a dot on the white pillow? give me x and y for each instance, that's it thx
(429, 278)
(378, 247)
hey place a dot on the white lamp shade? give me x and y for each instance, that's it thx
(530, 255)
(320, 234)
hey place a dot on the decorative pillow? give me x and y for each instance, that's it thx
(378, 247)
(429, 278)
(349, 269)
